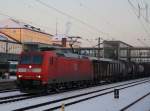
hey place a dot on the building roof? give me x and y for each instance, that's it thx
(4, 37)
(118, 42)
(12, 23)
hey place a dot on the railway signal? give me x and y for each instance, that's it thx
(116, 93)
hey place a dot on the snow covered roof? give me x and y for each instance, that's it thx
(58, 37)
(12, 23)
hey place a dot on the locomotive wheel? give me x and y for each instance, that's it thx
(47, 89)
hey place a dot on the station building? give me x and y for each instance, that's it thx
(22, 32)
(8, 45)
(19, 33)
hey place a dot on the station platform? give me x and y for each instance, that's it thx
(8, 83)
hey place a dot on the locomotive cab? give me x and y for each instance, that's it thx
(31, 69)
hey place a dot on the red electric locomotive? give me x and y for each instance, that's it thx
(49, 69)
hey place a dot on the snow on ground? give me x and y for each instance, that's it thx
(143, 105)
(108, 103)
(10, 93)
(103, 103)
(13, 77)
(29, 102)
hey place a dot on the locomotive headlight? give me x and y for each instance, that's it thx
(36, 70)
(19, 76)
(22, 70)
(38, 76)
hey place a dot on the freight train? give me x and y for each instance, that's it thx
(50, 70)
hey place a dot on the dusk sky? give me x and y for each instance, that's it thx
(109, 19)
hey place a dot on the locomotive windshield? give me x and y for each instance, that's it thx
(31, 59)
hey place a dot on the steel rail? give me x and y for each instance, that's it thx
(134, 102)
(79, 95)
(85, 99)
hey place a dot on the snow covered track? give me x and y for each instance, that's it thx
(56, 103)
(7, 84)
(133, 103)
(11, 90)
(14, 98)
(91, 97)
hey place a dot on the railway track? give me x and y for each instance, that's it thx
(15, 98)
(134, 102)
(82, 97)
(8, 90)
(19, 97)
(7, 84)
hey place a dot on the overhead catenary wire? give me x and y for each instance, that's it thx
(25, 21)
(89, 26)
(139, 11)
(1, 13)
(89, 41)
(94, 46)
(142, 24)
(72, 17)
(33, 6)
(139, 15)
(94, 13)
(142, 42)
(93, 31)
(145, 7)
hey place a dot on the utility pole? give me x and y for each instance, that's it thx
(99, 42)
(73, 40)
(139, 9)
(7, 46)
(146, 12)
(56, 26)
